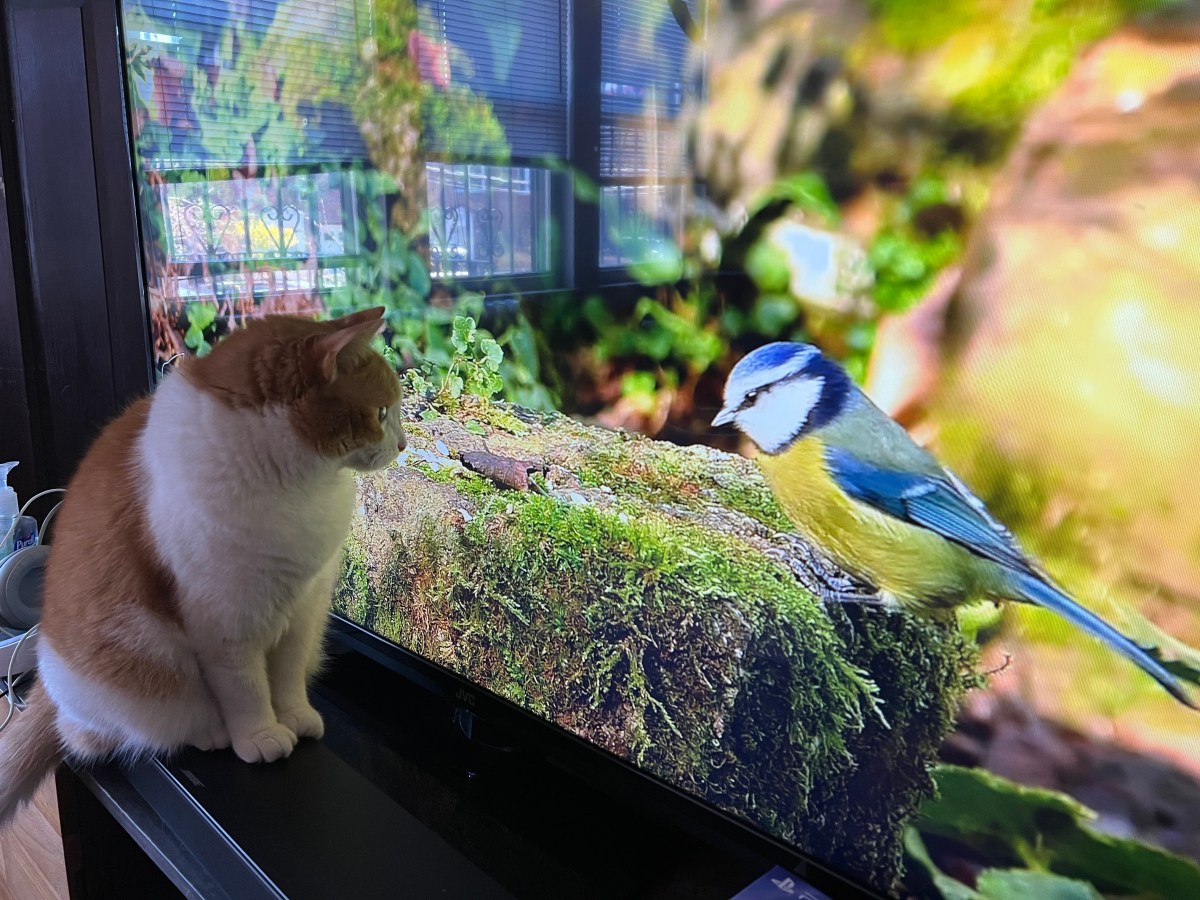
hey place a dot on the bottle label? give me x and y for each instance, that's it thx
(19, 544)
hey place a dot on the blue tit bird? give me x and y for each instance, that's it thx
(855, 484)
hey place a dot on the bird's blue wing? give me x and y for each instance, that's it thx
(940, 503)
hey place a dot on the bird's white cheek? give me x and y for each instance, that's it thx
(771, 433)
(775, 420)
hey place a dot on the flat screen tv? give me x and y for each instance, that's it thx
(580, 217)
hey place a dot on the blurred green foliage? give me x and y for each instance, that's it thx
(441, 341)
(979, 68)
(200, 318)
(905, 254)
(688, 325)
(688, 329)
(1035, 844)
(394, 96)
(992, 61)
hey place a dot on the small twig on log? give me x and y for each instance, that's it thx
(504, 470)
(1000, 668)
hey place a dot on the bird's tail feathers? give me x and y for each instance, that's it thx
(30, 749)
(1038, 591)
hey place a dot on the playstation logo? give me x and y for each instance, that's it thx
(777, 884)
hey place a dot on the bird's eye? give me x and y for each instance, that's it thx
(751, 396)
(382, 413)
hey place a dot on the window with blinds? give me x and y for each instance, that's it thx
(260, 83)
(643, 83)
(514, 53)
(251, 153)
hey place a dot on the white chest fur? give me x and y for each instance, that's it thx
(242, 512)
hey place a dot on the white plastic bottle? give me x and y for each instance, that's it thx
(16, 531)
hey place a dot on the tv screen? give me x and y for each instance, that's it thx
(661, 277)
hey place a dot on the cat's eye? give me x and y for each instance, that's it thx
(382, 413)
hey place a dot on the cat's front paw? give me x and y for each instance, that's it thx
(216, 738)
(304, 720)
(271, 743)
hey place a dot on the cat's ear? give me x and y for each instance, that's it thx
(374, 314)
(360, 326)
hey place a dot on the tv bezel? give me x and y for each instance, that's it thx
(595, 765)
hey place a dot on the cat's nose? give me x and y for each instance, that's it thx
(402, 443)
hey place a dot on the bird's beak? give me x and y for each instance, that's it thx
(724, 417)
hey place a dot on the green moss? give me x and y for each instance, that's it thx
(659, 473)
(353, 587)
(497, 415)
(755, 499)
(630, 622)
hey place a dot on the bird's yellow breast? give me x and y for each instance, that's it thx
(914, 565)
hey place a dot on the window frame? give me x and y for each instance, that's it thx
(575, 235)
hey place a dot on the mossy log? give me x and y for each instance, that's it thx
(652, 599)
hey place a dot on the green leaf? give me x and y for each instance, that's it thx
(928, 190)
(1024, 884)
(193, 337)
(495, 384)
(493, 353)
(453, 385)
(416, 382)
(898, 256)
(656, 259)
(474, 427)
(1050, 831)
(521, 344)
(947, 887)
(635, 383)
(768, 265)
(418, 276)
(504, 36)
(201, 315)
(806, 190)
(666, 333)
(772, 313)
(463, 333)
(586, 190)
(428, 414)
(905, 265)
(860, 336)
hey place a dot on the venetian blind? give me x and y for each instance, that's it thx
(259, 81)
(513, 53)
(642, 86)
(275, 82)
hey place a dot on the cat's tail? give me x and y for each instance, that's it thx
(30, 749)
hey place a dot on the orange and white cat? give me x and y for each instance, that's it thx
(193, 562)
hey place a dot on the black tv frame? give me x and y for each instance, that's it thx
(526, 731)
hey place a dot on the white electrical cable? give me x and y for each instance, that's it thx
(9, 683)
(29, 503)
(45, 529)
(46, 493)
